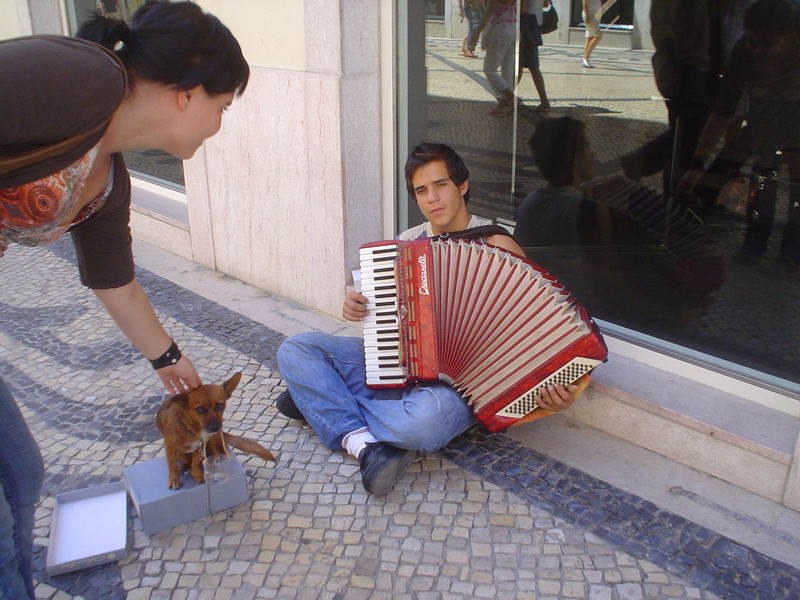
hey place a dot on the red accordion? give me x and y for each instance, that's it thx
(488, 322)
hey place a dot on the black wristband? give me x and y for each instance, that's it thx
(170, 357)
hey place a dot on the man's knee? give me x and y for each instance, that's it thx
(302, 344)
(434, 416)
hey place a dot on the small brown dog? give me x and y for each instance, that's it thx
(193, 421)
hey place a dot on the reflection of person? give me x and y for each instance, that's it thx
(472, 10)
(325, 374)
(591, 18)
(529, 42)
(600, 227)
(686, 63)
(499, 28)
(726, 167)
(558, 214)
(166, 87)
(763, 64)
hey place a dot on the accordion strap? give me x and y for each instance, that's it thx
(482, 231)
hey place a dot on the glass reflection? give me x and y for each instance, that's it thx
(662, 185)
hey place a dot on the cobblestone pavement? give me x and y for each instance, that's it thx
(484, 518)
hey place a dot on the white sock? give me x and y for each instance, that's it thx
(355, 441)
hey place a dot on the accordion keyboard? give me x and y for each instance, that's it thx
(382, 347)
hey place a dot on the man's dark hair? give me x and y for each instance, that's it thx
(427, 152)
(772, 17)
(555, 145)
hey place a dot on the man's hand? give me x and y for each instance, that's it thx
(354, 307)
(180, 377)
(557, 397)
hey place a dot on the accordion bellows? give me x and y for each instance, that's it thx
(490, 323)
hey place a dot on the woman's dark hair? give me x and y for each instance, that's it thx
(427, 152)
(555, 145)
(175, 44)
(772, 17)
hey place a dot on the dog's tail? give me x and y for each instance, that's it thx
(248, 446)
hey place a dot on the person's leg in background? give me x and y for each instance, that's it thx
(21, 476)
(593, 37)
(473, 15)
(790, 243)
(773, 126)
(588, 48)
(686, 119)
(500, 45)
(760, 212)
(507, 71)
(529, 59)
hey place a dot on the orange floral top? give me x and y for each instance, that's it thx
(31, 214)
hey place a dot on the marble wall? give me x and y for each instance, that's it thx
(292, 184)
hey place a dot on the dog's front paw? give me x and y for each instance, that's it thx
(197, 475)
(175, 483)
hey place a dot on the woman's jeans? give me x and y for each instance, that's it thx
(326, 376)
(21, 475)
(473, 15)
(500, 45)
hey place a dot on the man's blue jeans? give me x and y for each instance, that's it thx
(326, 376)
(21, 476)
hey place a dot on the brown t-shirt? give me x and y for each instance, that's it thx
(53, 89)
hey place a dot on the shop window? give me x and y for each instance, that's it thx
(155, 165)
(711, 275)
(434, 10)
(615, 14)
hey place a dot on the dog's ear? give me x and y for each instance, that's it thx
(231, 384)
(181, 400)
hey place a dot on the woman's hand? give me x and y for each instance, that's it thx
(180, 377)
(557, 397)
(354, 307)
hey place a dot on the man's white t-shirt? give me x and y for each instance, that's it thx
(424, 229)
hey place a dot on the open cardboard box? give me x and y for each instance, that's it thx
(161, 508)
(89, 527)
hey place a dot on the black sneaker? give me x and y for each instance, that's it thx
(287, 407)
(382, 466)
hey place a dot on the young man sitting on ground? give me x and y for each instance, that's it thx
(325, 374)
